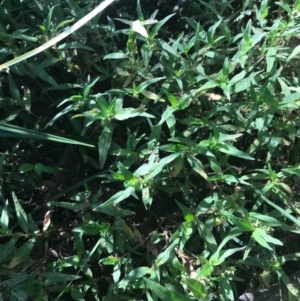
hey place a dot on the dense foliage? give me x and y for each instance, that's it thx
(149, 160)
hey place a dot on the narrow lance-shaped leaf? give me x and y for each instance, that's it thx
(104, 143)
(8, 130)
(176, 166)
(15, 93)
(21, 215)
(148, 82)
(279, 209)
(197, 288)
(260, 239)
(138, 27)
(197, 166)
(27, 98)
(166, 254)
(163, 293)
(66, 110)
(53, 278)
(8, 248)
(4, 220)
(233, 151)
(226, 289)
(158, 167)
(116, 198)
(134, 275)
(264, 239)
(22, 253)
(41, 73)
(126, 113)
(157, 27)
(128, 176)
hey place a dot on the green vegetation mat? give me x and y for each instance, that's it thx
(149, 150)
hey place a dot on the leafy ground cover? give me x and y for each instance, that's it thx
(151, 155)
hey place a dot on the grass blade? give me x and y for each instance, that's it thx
(60, 37)
(13, 131)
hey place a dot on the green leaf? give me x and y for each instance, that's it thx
(241, 223)
(89, 86)
(12, 131)
(77, 294)
(237, 78)
(166, 114)
(40, 168)
(19, 34)
(226, 289)
(14, 91)
(285, 6)
(4, 220)
(21, 215)
(220, 256)
(211, 33)
(139, 11)
(116, 198)
(197, 166)
(74, 45)
(197, 288)
(115, 56)
(147, 83)
(163, 293)
(126, 113)
(40, 72)
(71, 206)
(92, 228)
(128, 176)
(271, 58)
(166, 254)
(265, 219)
(104, 143)
(158, 26)
(54, 278)
(281, 210)
(187, 213)
(8, 248)
(64, 87)
(134, 275)
(264, 239)
(26, 98)
(176, 166)
(16, 280)
(261, 239)
(233, 151)
(172, 98)
(156, 168)
(22, 253)
(206, 270)
(47, 22)
(208, 85)
(226, 68)
(234, 232)
(294, 53)
(206, 234)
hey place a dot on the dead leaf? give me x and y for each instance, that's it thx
(214, 97)
(47, 221)
(14, 262)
